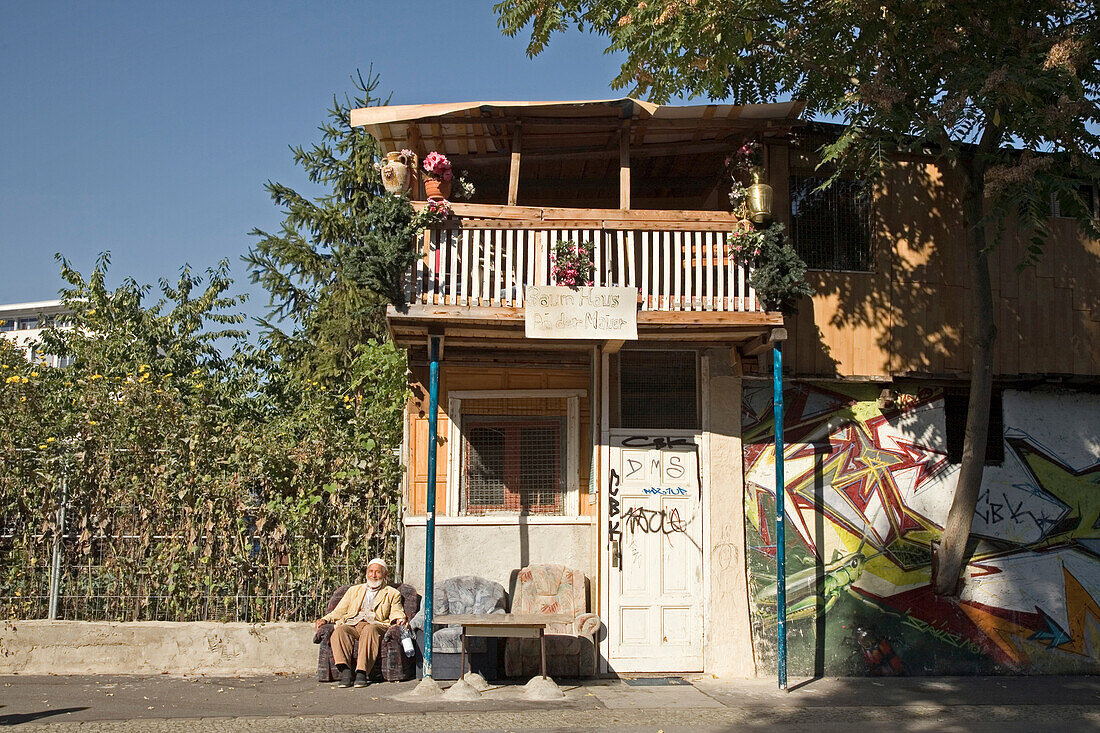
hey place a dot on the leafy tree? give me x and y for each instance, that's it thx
(963, 81)
(314, 268)
(188, 475)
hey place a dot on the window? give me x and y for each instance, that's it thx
(7, 325)
(954, 409)
(658, 389)
(512, 465)
(515, 452)
(831, 229)
(26, 324)
(1064, 206)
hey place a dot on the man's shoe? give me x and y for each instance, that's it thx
(345, 677)
(361, 679)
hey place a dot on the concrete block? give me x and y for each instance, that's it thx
(156, 647)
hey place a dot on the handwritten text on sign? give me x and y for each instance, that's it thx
(558, 312)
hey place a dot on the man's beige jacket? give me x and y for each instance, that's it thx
(387, 605)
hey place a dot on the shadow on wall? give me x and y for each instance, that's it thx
(867, 493)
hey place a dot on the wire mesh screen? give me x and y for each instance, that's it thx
(512, 465)
(657, 389)
(831, 228)
(112, 570)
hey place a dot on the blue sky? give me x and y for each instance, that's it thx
(149, 128)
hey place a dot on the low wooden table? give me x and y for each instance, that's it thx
(514, 625)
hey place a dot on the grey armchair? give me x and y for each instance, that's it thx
(461, 594)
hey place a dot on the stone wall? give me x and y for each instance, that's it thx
(156, 647)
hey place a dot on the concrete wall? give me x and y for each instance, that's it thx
(727, 647)
(868, 491)
(495, 551)
(156, 647)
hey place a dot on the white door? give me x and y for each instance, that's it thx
(655, 553)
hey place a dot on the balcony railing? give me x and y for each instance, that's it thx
(680, 266)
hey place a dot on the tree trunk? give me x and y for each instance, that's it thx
(951, 557)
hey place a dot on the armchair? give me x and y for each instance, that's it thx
(392, 664)
(570, 647)
(461, 594)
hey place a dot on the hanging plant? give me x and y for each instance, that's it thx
(776, 271)
(572, 263)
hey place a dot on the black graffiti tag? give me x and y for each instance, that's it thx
(613, 532)
(645, 441)
(652, 521)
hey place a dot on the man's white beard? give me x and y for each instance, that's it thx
(375, 584)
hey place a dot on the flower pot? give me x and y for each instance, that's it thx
(437, 189)
(398, 173)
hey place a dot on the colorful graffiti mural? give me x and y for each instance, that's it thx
(867, 494)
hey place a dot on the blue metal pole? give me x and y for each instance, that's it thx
(780, 511)
(429, 538)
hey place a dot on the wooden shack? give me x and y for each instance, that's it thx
(626, 457)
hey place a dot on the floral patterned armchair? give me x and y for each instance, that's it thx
(570, 646)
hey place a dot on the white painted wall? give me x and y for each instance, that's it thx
(496, 551)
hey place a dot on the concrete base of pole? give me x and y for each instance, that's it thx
(427, 688)
(461, 690)
(476, 681)
(542, 688)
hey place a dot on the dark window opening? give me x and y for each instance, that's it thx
(658, 389)
(1067, 205)
(512, 465)
(831, 229)
(954, 408)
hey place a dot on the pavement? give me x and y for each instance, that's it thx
(694, 703)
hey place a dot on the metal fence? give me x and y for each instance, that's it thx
(113, 575)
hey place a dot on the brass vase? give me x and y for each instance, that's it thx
(759, 200)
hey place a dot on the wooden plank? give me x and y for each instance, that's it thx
(523, 242)
(498, 247)
(644, 290)
(720, 271)
(453, 263)
(624, 165)
(663, 294)
(513, 166)
(678, 270)
(476, 255)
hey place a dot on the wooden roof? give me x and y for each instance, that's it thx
(572, 151)
(464, 128)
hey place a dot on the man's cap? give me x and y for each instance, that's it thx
(379, 561)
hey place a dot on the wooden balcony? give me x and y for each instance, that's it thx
(471, 282)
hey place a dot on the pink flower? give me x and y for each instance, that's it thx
(437, 165)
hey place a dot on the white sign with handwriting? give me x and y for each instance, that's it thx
(558, 312)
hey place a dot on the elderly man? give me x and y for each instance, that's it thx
(364, 613)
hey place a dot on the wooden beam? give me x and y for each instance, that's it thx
(764, 342)
(598, 152)
(612, 346)
(513, 170)
(416, 144)
(624, 166)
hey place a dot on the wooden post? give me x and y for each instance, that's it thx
(624, 165)
(513, 170)
(416, 144)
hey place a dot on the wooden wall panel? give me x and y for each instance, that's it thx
(909, 315)
(459, 377)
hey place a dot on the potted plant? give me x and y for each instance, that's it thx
(437, 184)
(776, 271)
(572, 263)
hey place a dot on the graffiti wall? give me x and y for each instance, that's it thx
(867, 494)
